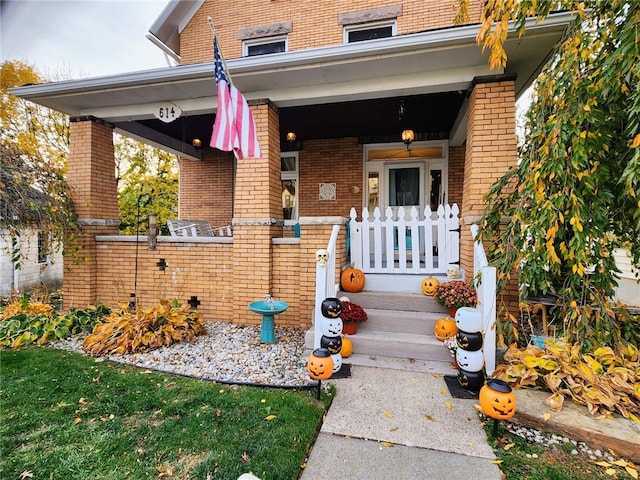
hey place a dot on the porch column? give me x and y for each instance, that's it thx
(257, 216)
(91, 176)
(490, 151)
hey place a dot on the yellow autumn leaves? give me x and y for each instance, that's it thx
(604, 381)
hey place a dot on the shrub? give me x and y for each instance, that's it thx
(144, 329)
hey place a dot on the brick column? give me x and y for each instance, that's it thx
(91, 175)
(257, 216)
(491, 150)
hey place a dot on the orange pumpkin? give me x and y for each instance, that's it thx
(445, 328)
(497, 399)
(429, 286)
(352, 280)
(347, 347)
(320, 364)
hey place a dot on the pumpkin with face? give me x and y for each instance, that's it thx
(347, 347)
(470, 361)
(469, 341)
(331, 307)
(497, 399)
(429, 286)
(444, 328)
(332, 344)
(320, 364)
(352, 280)
(472, 381)
(331, 327)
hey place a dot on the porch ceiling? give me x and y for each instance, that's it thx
(338, 91)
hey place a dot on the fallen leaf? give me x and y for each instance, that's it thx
(497, 462)
(77, 420)
(26, 474)
(631, 471)
(620, 463)
(437, 375)
(444, 390)
(387, 414)
(610, 471)
(264, 400)
(509, 446)
(603, 464)
(429, 417)
(245, 457)
(393, 429)
(82, 401)
(387, 444)
(448, 405)
(546, 416)
(269, 417)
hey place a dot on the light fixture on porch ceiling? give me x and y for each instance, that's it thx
(291, 137)
(408, 137)
(196, 143)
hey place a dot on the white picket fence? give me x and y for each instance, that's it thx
(426, 245)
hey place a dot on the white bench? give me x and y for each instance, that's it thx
(197, 228)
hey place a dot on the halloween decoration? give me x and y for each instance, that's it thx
(352, 280)
(331, 307)
(469, 319)
(472, 381)
(337, 362)
(472, 361)
(322, 257)
(497, 401)
(320, 366)
(347, 347)
(445, 328)
(453, 273)
(469, 341)
(331, 327)
(332, 344)
(429, 286)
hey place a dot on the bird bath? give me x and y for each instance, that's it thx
(268, 310)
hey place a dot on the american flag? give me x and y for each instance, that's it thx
(234, 127)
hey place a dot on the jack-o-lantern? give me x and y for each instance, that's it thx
(470, 361)
(337, 362)
(429, 286)
(347, 347)
(469, 319)
(352, 280)
(445, 328)
(472, 381)
(331, 307)
(497, 399)
(331, 327)
(320, 364)
(333, 344)
(469, 341)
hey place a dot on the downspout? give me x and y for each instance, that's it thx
(15, 283)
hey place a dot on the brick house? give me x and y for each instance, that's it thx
(346, 79)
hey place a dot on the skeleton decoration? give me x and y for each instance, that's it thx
(453, 272)
(322, 257)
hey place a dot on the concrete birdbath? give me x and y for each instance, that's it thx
(268, 309)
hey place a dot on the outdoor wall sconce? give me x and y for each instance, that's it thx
(153, 231)
(291, 137)
(407, 137)
(196, 143)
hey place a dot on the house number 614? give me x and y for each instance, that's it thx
(167, 112)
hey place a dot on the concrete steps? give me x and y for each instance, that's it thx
(398, 333)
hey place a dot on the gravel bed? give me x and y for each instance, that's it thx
(229, 353)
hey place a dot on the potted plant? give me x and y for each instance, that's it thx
(452, 345)
(351, 315)
(455, 294)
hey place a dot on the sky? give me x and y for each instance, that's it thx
(81, 38)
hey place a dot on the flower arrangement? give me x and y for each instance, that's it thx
(452, 344)
(353, 313)
(455, 294)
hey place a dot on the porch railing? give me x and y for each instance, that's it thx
(484, 278)
(326, 285)
(406, 244)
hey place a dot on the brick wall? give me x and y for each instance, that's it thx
(456, 174)
(315, 24)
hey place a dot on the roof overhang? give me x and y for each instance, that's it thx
(435, 61)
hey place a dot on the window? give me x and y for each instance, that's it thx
(264, 46)
(369, 31)
(289, 177)
(42, 247)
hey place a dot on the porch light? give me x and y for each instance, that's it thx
(407, 137)
(196, 143)
(291, 137)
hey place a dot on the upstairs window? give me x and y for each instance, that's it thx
(264, 46)
(369, 31)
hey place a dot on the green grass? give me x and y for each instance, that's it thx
(522, 460)
(65, 416)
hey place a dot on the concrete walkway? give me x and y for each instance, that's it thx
(393, 424)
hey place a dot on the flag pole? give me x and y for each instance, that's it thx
(213, 30)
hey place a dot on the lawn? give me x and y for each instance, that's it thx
(67, 416)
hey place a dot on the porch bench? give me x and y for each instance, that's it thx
(197, 228)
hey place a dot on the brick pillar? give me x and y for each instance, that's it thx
(491, 150)
(91, 175)
(257, 216)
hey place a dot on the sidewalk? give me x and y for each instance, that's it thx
(395, 424)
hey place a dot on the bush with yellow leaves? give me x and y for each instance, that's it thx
(144, 329)
(603, 380)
